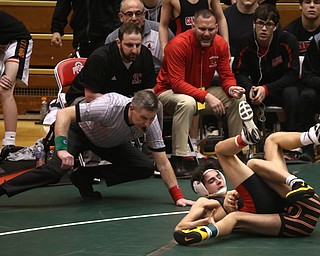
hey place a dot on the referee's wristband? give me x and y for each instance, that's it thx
(176, 193)
(61, 143)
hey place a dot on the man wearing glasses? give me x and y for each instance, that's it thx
(132, 11)
(266, 64)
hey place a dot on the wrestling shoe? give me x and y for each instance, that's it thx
(250, 133)
(314, 134)
(190, 236)
(299, 191)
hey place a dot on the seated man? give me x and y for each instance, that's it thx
(273, 172)
(307, 25)
(132, 11)
(189, 64)
(239, 13)
(266, 64)
(310, 93)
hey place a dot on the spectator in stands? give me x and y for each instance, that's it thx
(266, 64)
(91, 21)
(307, 25)
(230, 2)
(178, 15)
(190, 61)
(239, 13)
(309, 96)
(15, 51)
(105, 126)
(153, 9)
(304, 28)
(181, 12)
(124, 66)
(133, 11)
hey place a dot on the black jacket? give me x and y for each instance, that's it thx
(92, 20)
(105, 72)
(311, 65)
(278, 69)
(11, 29)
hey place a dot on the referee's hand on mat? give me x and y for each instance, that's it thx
(66, 158)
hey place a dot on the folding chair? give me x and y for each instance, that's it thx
(65, 72)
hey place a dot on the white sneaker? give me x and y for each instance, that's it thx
(250, 133)
(314, 134)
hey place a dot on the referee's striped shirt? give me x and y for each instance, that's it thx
(105, 123)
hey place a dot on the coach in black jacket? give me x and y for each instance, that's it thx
(120, 67)
(266, 64)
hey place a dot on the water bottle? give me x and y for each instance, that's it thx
(40, 155)
(44, 109)
(50, 153)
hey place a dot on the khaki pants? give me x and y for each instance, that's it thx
(183, 107)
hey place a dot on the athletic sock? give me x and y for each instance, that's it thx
(292, 179)
(239, 142)
(305, 139)
(9, 138)
(212, 230)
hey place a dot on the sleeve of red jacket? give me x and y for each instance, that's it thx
(176, 60)
(224, 70)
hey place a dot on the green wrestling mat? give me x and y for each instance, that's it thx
(135, 218)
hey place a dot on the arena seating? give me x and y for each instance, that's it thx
(36, 15)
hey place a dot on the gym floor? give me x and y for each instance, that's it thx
(135, 218)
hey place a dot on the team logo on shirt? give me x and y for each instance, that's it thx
(189, 20)
(303, 46)
(277, 61)
(213, 61)
(77, 67)
(136, 78)
(150, 45)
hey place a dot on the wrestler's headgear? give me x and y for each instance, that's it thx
(201, 190)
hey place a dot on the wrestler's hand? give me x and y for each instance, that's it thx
(230, 203)
(184, 202)
(66, 158)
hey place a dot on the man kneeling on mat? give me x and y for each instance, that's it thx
(106, 126)
(287, 206)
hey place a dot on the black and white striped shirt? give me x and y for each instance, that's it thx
(105, 123)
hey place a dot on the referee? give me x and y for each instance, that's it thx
(105, 126)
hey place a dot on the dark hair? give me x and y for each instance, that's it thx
(267, 12)
(128, 28)
(145, 99)
(205, 13)
(210, 163)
